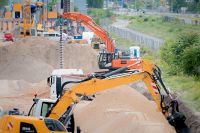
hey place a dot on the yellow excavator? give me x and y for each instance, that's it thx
(62, 110)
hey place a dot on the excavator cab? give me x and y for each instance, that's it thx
(105, 60)
(119, 59)
(127, 58)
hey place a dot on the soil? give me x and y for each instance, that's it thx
(120, 110)
(26, 64)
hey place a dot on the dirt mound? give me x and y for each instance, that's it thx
(26, 64)
(13, 87)
(25, 68)
(19, 94)
(33, 59)
(120, 111)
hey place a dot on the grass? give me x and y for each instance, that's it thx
(99, 14)
(122, 43)
(187, 87)
(155, 26)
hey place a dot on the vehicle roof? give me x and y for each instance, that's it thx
(132, 47)
(60, 72)
(51, 33)
(48, 100)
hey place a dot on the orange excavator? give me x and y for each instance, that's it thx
(108, 58)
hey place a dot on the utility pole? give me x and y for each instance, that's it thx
(47, 12)
(61, 44)
(172, 4)
(135, 5)
(106, 3)
(145, 4)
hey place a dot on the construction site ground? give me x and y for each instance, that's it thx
(26, 64)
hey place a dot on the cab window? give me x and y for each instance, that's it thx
(46, 35)
(46, 107)
(52, 35)
(54, 125)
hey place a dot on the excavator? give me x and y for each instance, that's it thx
(62, 110)
(108, 58)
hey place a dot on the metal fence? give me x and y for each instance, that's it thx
(138, 37)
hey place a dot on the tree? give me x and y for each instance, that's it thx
(95, 3)
(190, 60)
(191, 6)
(3, 3)
(138, 4)
(183, 54)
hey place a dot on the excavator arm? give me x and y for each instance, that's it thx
(89, 22)
(97, 83)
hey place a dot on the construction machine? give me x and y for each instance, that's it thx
(32, 18)
(27, 19)
(108, 58)
(63, 108)
(24, 124)
(150, 74)
(8, 37)
(41, 106)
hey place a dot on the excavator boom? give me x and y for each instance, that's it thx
(89, 22)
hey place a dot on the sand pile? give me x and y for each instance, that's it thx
(33, 59)
(19, 94)
(122, 110)
(26, 64)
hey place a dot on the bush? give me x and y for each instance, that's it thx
(146, 19)
(167, 55)
(131, 17)
(170, 30)
(183, 55)
(97, 20)
(100, 13)
(191, 60)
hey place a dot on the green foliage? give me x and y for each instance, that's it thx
(3, 3)
(99, 14)
(192, 6)
(155, 26)
(76, 9)
(95, 3)
(51, 4)
(181, 83)
(97, 20)
(183, 54)
(138, 4)
(191, 60)
(146, 19)
(125, 5)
